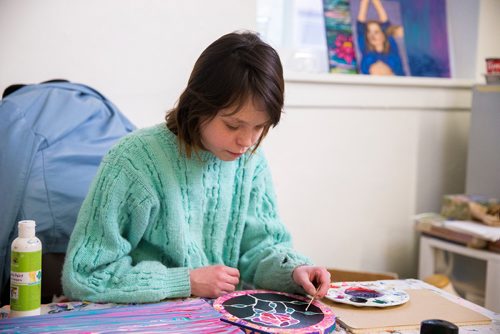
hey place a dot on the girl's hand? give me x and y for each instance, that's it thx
(213, 281)
(312, 278)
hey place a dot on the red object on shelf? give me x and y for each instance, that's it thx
(493, 65)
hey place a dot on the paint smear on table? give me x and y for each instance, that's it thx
(189, 316)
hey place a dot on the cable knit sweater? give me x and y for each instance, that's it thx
(152, 214)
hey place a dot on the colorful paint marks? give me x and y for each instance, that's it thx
(189, 316)
(373, 294)
(341, 56)
(261, 311)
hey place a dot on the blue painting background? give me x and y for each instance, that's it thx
(426, 37)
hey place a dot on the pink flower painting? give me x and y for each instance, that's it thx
(275, 319)
(344, 48)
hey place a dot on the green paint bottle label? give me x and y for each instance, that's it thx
(25, 280)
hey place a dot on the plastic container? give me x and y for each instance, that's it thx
(493, 65)
(25, 272)
(492, 74)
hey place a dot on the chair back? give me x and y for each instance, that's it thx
(53, 138)
(339, 275)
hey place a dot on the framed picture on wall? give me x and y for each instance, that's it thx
(379, 37)
(338, 27)
(401, 37)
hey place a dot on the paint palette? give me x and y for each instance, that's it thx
(263, 311)
(372, 294)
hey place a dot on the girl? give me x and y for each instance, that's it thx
(187, 207)
(379, 50)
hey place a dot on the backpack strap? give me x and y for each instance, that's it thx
(12, 88)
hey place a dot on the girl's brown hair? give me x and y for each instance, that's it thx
(232, 70)
(370, 47)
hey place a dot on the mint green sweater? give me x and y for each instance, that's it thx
(151, 215)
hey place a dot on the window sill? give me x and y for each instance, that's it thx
(324, 90)
(373, 80)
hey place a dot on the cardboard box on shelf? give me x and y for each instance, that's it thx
(471, 207)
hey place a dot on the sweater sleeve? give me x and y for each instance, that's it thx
(112, 220)
(361, 33)
(267, 258)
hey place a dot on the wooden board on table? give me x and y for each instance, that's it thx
(423, 304)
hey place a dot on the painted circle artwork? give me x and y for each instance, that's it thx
(373, 294)
(262, 311)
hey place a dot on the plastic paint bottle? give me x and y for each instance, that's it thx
(25, 272)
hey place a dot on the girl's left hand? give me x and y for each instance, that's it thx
(314, 280)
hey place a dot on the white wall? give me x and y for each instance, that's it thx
(463, 17)
(355, 158)
(487, 37)
(137, 53)
(352, 163)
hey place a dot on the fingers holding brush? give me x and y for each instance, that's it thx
(312, 299)
(314, 280)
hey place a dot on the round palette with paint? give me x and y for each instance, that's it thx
(372, 294)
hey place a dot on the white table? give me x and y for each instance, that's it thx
(426, 265)
(403, 284)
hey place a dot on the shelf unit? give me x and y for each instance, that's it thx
(426, 267)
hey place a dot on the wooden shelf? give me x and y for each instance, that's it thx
(373, 80)
(343, 91)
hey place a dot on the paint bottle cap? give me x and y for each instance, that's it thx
(26, 228)
(437, 326)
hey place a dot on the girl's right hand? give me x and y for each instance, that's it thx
(213, 281)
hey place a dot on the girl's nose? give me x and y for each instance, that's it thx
(245, 139)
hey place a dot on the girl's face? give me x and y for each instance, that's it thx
(375, 36)
(230, 135)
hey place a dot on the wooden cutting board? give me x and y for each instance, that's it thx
(423, 305)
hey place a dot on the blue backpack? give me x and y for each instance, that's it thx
(53, 136)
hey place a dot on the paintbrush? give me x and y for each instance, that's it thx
(313, 297)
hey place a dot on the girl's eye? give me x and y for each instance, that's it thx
(231, 127)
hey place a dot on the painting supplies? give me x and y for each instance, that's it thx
(25, 271)
(423, 304)
(263, 311)
(366, 294)
(437, 326)
(313, 297)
